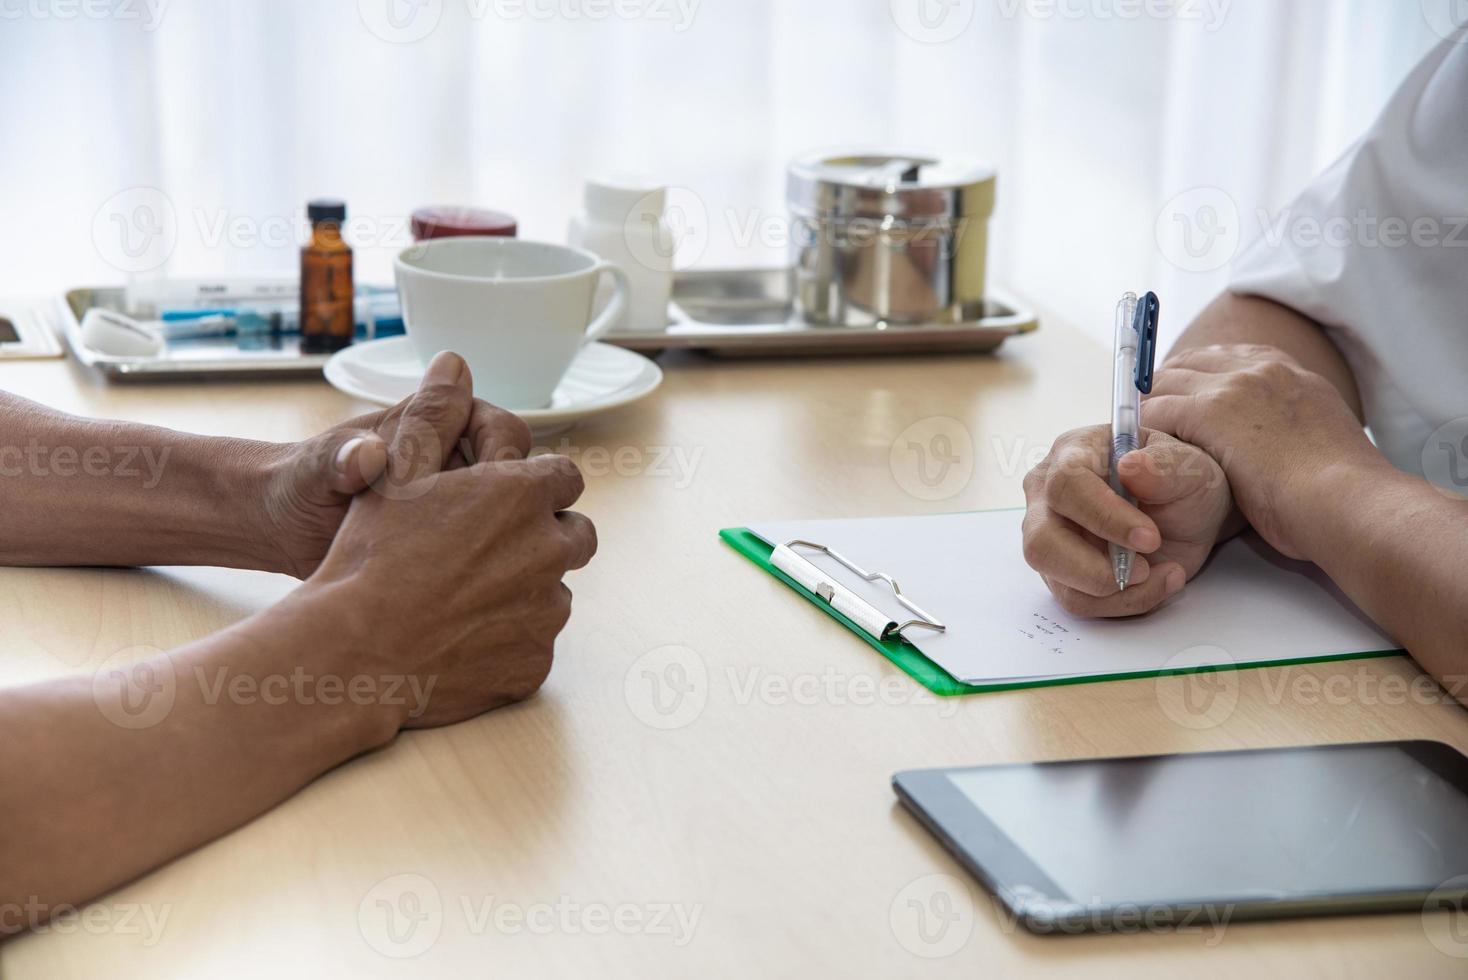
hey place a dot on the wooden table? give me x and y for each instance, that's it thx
(696, 790)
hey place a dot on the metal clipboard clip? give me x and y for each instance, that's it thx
(843, 600)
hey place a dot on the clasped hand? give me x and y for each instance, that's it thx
(437, 543)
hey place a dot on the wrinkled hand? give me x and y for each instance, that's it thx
(309, 485)
(452, 574)
(1274, 426)
(1183, 508)
(457, 583)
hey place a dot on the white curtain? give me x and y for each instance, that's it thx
(230, 114)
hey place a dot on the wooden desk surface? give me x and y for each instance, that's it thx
(695, 789)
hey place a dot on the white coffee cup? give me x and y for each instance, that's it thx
(516, 311)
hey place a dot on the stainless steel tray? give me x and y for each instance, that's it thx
(750, 313)
(729, 312)
(189, 361)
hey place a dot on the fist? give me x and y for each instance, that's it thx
(1277, 428)
(460, 585)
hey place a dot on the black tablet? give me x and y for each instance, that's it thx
(1095, 844)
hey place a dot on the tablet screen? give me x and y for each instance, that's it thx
(1272, 824)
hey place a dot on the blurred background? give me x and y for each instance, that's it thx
(1139, 143)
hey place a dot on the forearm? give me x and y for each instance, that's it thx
(105, 780)
(83, 492)
(1233, 318)
(1395, 544)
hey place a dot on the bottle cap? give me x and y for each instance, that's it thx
(620, 198)
(326, 209)
(453, 222)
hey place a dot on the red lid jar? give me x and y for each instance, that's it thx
(453, 222)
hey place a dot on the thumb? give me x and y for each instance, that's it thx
(433, 420)
(353, 458)
(1165, 469)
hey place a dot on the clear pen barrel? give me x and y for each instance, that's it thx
(1125, 400)
(1125, 417)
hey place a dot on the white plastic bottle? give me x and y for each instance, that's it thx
(622, 221)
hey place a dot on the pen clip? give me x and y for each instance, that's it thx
(1144, 322)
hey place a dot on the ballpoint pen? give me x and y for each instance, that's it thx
(1136, 348)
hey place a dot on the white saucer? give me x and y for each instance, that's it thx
(602, 377)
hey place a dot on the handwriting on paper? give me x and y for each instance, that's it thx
(1049, 633)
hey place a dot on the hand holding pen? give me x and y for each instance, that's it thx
(1162, 504)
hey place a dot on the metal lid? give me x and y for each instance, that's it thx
(888, 185)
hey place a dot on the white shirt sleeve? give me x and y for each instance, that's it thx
(1376, 250)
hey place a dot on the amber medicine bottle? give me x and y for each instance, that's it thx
(327, 320)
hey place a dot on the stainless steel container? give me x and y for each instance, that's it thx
(888, 238)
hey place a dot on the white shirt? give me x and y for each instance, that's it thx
(1376, 250)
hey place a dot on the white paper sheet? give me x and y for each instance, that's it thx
(1248, 605)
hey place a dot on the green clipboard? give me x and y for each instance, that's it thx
(927, 673)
